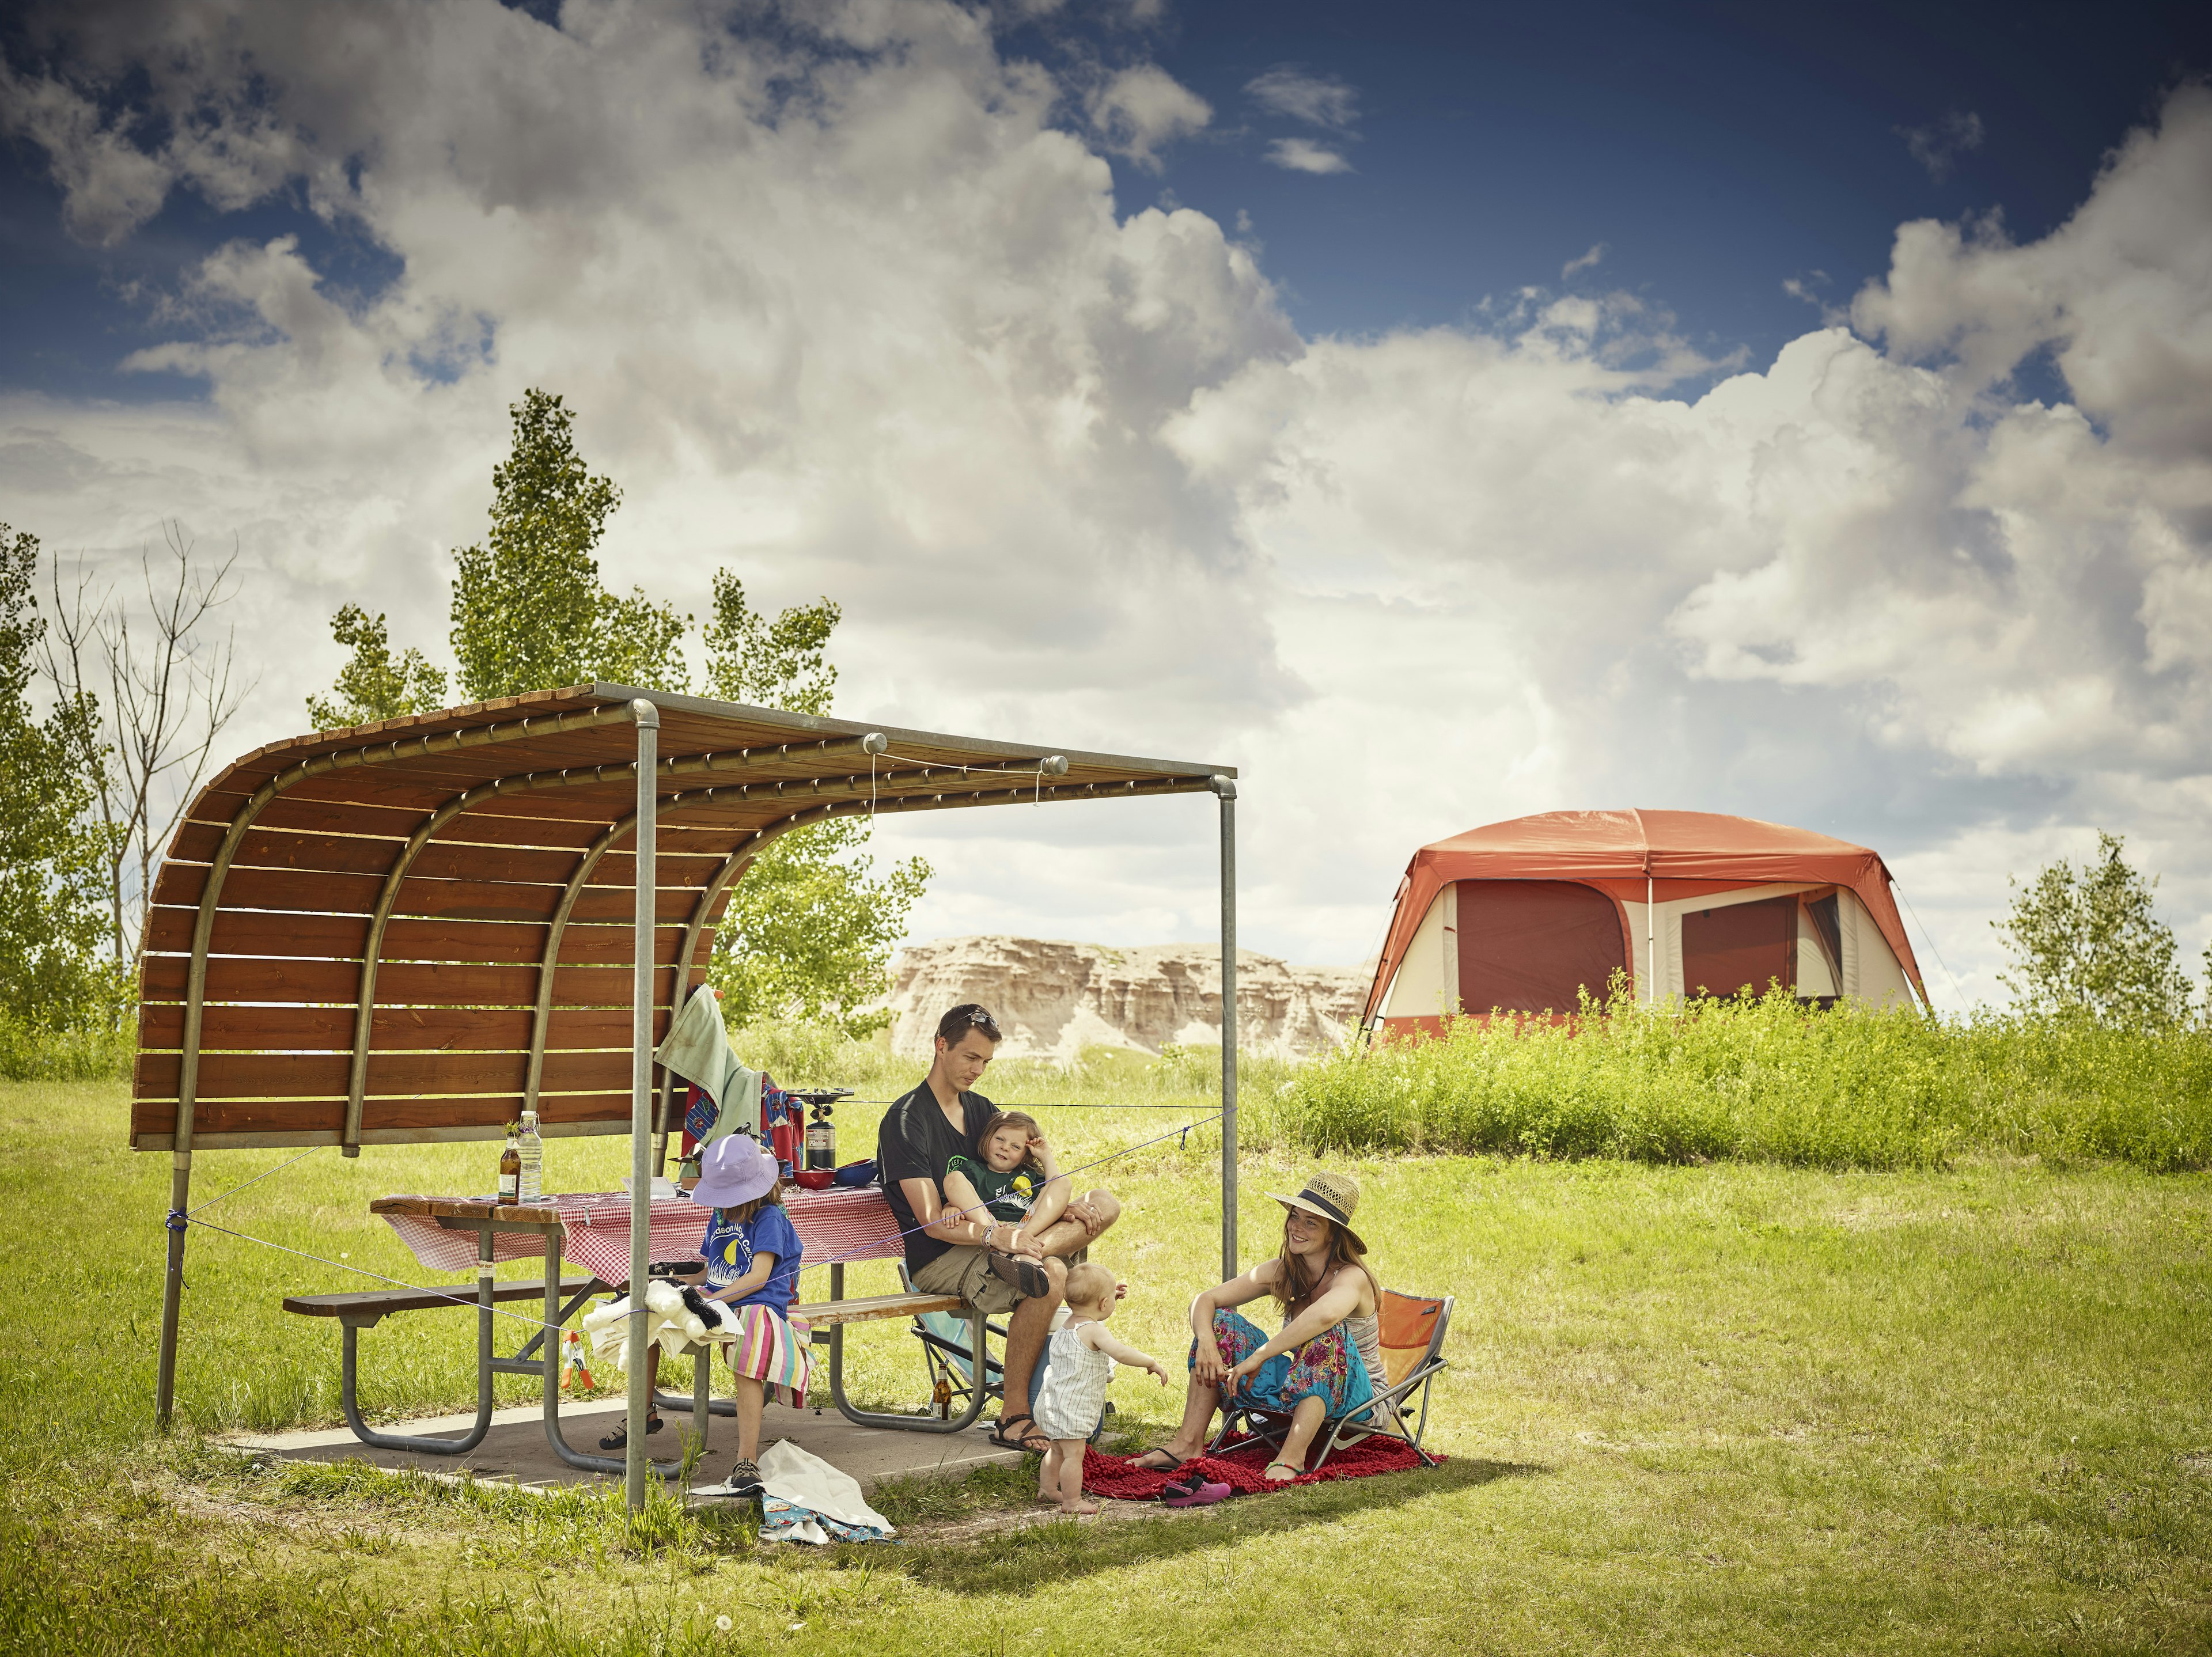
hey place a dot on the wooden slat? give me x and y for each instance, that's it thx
(398, 983)
(681, 871)
(392, 1029)
(670, 904)
(181, 883)
(469, 1208)
(342, 938)
(392, 1121)
(555, 1109)
(460, 1297)
(266, 848)
(446, 859)
(169, 932)
(395, 791)
(317, 892)
(324, 1075)
(504, 820)
(863, 1308)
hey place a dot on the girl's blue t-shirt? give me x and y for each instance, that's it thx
(729, 1246)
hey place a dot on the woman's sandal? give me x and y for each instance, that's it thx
(619, 1439)
(1034, 1442)
(1143, 1464)
(1297, 1472)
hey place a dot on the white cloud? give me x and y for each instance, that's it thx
(1304, 155)
(1316, 99)
(855, 316)
(1582, 262)
(1938, 145)
(1143, 108)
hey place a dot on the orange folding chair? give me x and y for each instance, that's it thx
(1413, 1339)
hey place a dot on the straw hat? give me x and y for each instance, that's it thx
(1334, 1196)
(733, 1169)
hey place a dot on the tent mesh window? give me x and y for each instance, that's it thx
(1742, 946)
(1534, 945)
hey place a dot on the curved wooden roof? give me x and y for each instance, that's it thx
(407, 930)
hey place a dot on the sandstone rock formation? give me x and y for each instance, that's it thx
(1054, 998)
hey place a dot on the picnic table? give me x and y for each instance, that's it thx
(592, 1230)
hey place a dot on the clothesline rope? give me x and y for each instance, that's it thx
(176, 1221)
(203, 1207)
(962, 1213)
(1019, 1104)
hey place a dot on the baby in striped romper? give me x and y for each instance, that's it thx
(1079, 1361)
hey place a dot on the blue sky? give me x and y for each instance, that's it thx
(1793, 412)
(1714, 150)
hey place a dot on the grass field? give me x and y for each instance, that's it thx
(1741, 1406)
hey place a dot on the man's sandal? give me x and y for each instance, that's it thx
(1034, 1442)
(619, 1439)
(1030, 1280)
(1297, 1472)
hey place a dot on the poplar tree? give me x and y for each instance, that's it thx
(372, 686)
(810, 930)
(2086, 943)
(529, 610)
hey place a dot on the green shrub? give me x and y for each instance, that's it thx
(29, 1053)
(1771, 1079)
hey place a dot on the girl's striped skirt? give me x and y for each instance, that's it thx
(774, 1350)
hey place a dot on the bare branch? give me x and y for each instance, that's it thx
(170, 694)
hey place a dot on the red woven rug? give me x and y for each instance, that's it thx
(1239, 1466)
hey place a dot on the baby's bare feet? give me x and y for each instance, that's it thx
(1080, 1509)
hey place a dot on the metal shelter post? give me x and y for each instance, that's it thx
(180, 1191)
(637, 1463)
(1226, 791)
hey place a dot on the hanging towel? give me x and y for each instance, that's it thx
(804, 1499)
(698, 1050)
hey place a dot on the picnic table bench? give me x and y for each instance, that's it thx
(593, 1228)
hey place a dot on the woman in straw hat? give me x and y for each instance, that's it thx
(1320, 1364)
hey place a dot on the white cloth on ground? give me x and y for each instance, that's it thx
(1072, 1399)
(804, 1499)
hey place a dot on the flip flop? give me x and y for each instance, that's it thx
(1296, 1473)
(1030, 1281)
(1139, 1463)
(1033, 1441)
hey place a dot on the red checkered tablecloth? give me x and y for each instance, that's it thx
(841, 1223)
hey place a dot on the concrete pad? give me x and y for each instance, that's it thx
(516, 1448)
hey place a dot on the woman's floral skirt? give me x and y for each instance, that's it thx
(1329, 1367)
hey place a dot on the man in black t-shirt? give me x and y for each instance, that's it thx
(989, 1263)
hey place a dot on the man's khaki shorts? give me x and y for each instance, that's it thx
(964, 1270)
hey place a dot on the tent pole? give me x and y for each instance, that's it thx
(1650, 940)
(1227, 791)
(636, 1464)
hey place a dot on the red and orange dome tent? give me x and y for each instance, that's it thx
(1521, 916)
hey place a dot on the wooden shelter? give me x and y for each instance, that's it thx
(412, 930)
